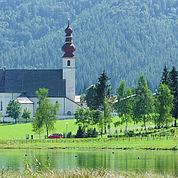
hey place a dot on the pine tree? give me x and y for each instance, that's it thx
(103, 89)
(165, 77)
(174, 91)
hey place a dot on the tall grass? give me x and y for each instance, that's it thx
(83, 173)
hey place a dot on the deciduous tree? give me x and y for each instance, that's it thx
(143, 101)
(14, 109)
(26, 114)
(125, 104)
(46, 113)
(164, 105)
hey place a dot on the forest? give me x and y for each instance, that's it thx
(124, 38)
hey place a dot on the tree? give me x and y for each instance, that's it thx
(91, 96)
(46, 113)
(165, 77)
(164, 105)
(125, 104)
(26, 114)
(173, 85)
(143, 101)
(103, 90)
(14, 109)
(83, 117)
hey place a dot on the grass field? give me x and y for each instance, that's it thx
(13, 136)
(162, 143)
(19, 131)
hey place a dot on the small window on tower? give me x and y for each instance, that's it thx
(68, 63)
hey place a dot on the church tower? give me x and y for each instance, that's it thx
(68, 62)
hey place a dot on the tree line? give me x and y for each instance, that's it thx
(126, 38)
(137, 104)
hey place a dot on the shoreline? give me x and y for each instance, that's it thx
(95, 143)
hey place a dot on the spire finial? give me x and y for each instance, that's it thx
(68, 21)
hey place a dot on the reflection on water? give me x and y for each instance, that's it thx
(155, 161)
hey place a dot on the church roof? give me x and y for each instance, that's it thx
(24, 100)
(29, 81)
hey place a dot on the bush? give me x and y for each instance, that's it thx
(131, 133)
(80, 133)
(69, 135)
(91, 133)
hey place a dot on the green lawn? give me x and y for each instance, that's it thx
(165, 143)
(19, 131)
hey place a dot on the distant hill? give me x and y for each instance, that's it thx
(125, 38)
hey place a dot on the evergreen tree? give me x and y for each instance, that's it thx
(91, 96)
(165, 77)
(103, 90)
(174, 91)
(143, 101)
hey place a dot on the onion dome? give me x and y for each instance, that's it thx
(68, 48)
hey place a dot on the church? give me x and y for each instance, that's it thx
(22, 84)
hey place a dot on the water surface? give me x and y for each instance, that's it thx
(129, 160)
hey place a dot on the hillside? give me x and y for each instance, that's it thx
(124, 38)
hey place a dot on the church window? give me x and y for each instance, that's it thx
(68, 63)
(1, 106)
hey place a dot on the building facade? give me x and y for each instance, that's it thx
(22, 84)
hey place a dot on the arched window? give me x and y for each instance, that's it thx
(1, 106)
(69, 113)
(68, 63)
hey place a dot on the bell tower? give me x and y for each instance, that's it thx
(68, 63)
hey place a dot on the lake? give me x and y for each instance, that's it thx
(124, 160)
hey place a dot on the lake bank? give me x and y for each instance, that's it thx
(145, 143)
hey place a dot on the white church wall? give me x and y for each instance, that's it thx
(69, 75)
(66, 105)
(71, 107)
(4, 100)
(29, 107)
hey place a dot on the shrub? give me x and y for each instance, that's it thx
(69, 135)
(91, 133)
(131, 133)
(80, 133)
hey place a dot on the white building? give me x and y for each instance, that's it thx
(22, 84)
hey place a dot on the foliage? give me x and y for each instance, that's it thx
(165, 79)
(103, 90)
(26, 114)
(91, 96)
(46, 113)
(14, 109)
(164, 106)
(83, 117)
(143, 101)
(125, 103)
(126, 38)
(80, 133)
(174, 91)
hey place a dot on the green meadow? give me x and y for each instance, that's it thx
(19, 131)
